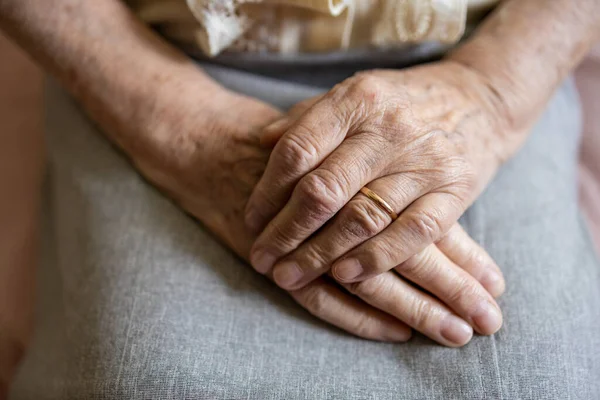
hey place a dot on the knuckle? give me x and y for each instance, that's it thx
(321, 196)
(314, 299)
(412, 266)
(284, 239)
(371, 288)
(476, 259)
(423, 313)
(354, 96)
(379, 256)
(464, 294)
(364, 220)
(263, 196)
(365, 328)
(425, 225)
(366, 84)
(296, 151)
(455, 237)
(312, 258)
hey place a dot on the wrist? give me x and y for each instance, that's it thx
(509, 114)
(130, 98)
(523, 51)
(502, 91)
(139, 114)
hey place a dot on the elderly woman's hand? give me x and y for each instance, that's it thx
(426, 140)
(208, 160)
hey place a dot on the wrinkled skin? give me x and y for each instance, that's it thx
(212, 175)
(426, 139)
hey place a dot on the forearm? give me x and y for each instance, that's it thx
(110, 61)
(525, 49)
(117, 68)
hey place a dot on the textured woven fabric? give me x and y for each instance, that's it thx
(137, 301)
(292, 26)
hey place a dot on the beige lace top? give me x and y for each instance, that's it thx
(299, 26)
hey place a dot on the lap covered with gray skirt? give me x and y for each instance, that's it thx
(137, 301)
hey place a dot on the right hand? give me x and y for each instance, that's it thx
(204, 152)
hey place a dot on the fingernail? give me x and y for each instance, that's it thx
(262, 261)
(347, 270)
(456, 330)
(287, 274)
(253, 220)
(487, 318)
(493, 282)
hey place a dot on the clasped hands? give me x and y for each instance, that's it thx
(426, 140)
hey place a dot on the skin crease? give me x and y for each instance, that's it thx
(154, 91)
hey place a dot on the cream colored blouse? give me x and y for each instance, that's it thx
(305, 26)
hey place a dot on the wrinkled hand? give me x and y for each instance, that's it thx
(424, 139)
(207, 159)
(211, 171)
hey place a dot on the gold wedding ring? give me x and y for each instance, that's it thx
(381, 203)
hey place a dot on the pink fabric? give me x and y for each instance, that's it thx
(588, 82)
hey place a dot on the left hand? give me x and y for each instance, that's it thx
(427, 140)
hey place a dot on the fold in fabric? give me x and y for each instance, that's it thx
(290, 26)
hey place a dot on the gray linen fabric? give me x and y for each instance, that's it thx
(137, 301)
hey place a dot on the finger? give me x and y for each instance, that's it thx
(434, 272)
(318, 132)
(272, 133)
(356, 222)
(275, 131)
(463, 251)
(389, 293)
(328, 302)
(421, 224)
(316, 199)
